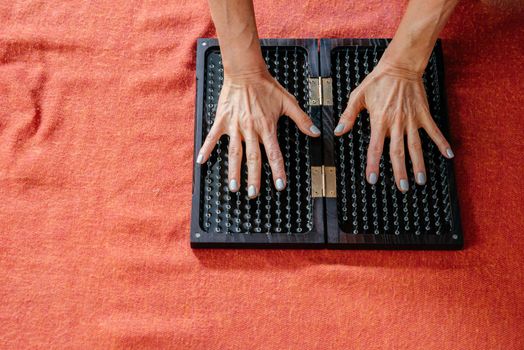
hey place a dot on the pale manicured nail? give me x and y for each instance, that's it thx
(233, 185)
(373, 178)
(200, 159)
(339, 128)
(421, 178)
(449, 152)
(280, 184)
(404, 186)
(251, 191)
(314, 130)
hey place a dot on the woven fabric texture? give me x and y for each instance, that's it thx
(96, 154)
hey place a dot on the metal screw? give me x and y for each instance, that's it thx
(204, 43)
(455, 237)
(197, 235)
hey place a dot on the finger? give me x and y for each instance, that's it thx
(276, 161)
(350, 114)
(436, 135)
(376, 145)
(415, 153)
(254, 165)
(398, 160)
(301, 119)
(211, 140)
(234, 161)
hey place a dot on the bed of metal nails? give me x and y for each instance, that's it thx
(288, 211)
(382, 208)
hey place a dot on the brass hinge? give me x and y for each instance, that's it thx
(320, 92)
(327, 92)
(324, 181)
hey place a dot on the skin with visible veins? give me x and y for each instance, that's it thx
(252, 101)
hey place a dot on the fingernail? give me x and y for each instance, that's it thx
(449, 152)
(339, 128)
(200, 159)
(404, 186)
(233, 185)
(280, 184)
(421, 178)
(373, 178)
(314, 130)
(251, 191)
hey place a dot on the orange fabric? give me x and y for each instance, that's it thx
(96, 144)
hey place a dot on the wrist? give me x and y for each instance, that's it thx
(249, 67)
(247, 74)
(412, 61)
(242, 58)
(397, 69)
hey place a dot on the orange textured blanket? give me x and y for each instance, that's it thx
(96, 144)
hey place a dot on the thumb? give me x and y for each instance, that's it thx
(348, 117)
(304, 123)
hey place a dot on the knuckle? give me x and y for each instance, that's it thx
(378, 122)
(304, 118)
(347, 115)
(398, 117)
(213, 134)
(234, 151)
(278, 168)
(439, 139)
(253, 157)
(266, 126)
(442, 140)
(246, 123)
(388, 117)
(437, 132)
(396, 152)
(292, 100)
(415, 144)
(215, 137)
(431, 128)
(217, 125)
(274, 155)
(375, 150)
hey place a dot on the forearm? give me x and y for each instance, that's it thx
(417, 33)
(238, 37)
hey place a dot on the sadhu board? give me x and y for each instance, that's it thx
(327, 202)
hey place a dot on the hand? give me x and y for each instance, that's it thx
(248, 109)
(397, 104)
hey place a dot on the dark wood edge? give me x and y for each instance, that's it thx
(260, 240)
(202, 47)
(328, 138)
(452, 184)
